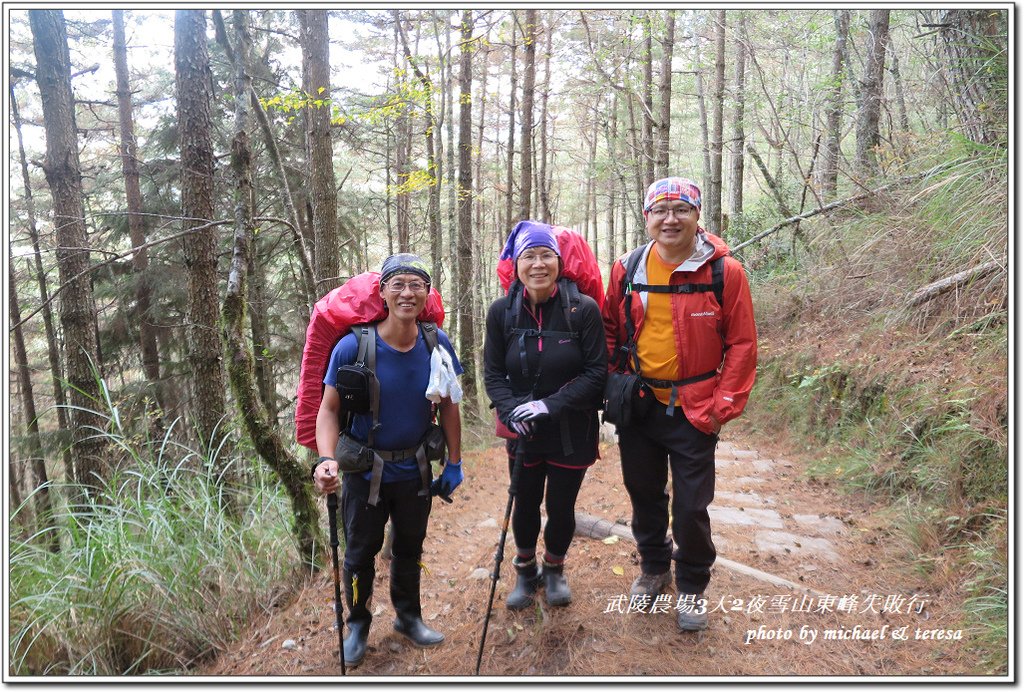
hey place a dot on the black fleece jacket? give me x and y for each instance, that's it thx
(567, 374)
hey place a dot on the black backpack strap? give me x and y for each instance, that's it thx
(570, 293)
(513, 307)
(628, 350)
(429, 330)
(366, 336)
(718, 280)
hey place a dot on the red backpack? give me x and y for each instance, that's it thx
(357, 301)
(578, 264)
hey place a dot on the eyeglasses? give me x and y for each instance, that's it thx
(397, 287)
(530, 257)
(663, 212)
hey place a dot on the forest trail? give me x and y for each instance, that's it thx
(850, 572)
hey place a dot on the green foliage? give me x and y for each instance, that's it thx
(152, 574)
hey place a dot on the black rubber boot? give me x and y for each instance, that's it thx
(556, 588)
(527, 581)
(405, 596)
(358, 592)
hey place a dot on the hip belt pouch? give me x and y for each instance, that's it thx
(352, 455)
(434, 443)
(627, 399)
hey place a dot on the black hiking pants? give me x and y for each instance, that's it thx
(563, 485)
(365, 523)
(648, 450)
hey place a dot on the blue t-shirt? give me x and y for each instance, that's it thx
(404, 410)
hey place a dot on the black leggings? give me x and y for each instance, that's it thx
(560, 503)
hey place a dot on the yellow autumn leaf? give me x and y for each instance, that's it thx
(618, 570)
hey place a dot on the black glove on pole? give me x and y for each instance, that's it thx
(332, 519)
(499, 555)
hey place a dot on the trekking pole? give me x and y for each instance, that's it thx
(499, 555)
(332, 519)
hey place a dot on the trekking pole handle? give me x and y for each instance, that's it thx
(332, 508)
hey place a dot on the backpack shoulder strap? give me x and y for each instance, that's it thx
(718, 279)
(570, 293)
(632, 262)
(366, 336)
(628, 349)
(429, 330)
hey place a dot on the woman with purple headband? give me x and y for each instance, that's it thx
(544, 370)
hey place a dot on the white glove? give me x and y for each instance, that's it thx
(530, 411)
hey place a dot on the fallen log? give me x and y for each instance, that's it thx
(589, 526)
(937, 288)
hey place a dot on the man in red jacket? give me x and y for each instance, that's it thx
(690, 334)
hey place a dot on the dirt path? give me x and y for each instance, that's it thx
(766, 515)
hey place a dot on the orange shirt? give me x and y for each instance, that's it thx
(656, 343)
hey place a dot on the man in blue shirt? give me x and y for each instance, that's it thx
(399, 493)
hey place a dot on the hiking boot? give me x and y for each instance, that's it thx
(556, 588)
(650, 584)
(692, 612)
(358, 593)
(527, 581)
(417, 632)
(405, 597)
(354, 645)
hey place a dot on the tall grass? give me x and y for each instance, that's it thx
(153, 572)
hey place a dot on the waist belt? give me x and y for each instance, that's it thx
(380, 456)
(674, 385)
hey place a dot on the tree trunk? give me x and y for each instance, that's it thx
(266, 441)
(871, 93)
(897, 79)
(509, 163)
(665, 93)
(37, 460)
(316, 82)
(464, 283)
(831, 150)
(639, 167)
(136, 223)
(195, 99)
(53, 345)
(478, 160)
(773, 184)
(449, 89)
(647, 99)
(977, 71)
(610, 136)
(591, 197)
(544, 189)
(259, 309)
(738, 134)
(712, 201)
(702, 114)
(434, 192)
(63, 175)
(526, 137)
(287, 200)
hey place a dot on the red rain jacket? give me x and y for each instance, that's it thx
(709, 336)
